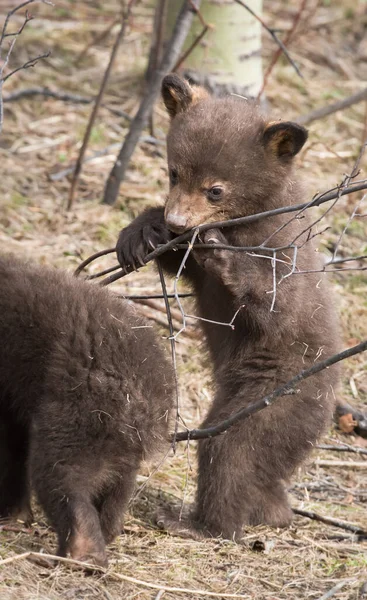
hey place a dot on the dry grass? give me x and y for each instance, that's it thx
(41, 137)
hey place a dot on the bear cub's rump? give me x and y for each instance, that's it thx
(85, 395)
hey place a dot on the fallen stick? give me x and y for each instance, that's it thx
(342, 448)
(353, 464)
(330, 521)
(335, 589)
(60, 95)
(118, 576)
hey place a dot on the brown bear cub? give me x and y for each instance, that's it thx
(226, 161)
(85, 395)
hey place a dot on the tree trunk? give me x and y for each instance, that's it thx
(170, 55)
(228, 58)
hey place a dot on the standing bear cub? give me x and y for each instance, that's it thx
(85, 395)
(225, 161)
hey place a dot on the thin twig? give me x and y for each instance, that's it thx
(92, 258)
(173, 351)
(152, 296)
(349, 220)
(274, 270)
(190, 49)
(337, 261)
(117, 576)
(251, 409)
(151, 303)
(344, 185)
(78, 166)
(177, 277)
(97, 39)
(324, 270)
(15, 35)
(27, 65)
(273, 35)
(103, 273)
(13, 11)
(287, 39)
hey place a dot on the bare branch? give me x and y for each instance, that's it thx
(173, 351)
(15, 35)
(196, 41)
(92, 258)
(63, 96)
(337, 261)
(274, 290)
(278, 53)
(12, 12)
(155, 296)
(197, 434)
(78, 166)
(350, 219)
(27, 65)
(273, 35)
(178, 275)
(325, 111)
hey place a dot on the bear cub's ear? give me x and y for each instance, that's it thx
(284, 139)
(178, 95)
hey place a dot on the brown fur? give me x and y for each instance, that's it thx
(226, 143)
(85, 395)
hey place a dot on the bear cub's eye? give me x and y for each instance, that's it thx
(173, 176)
(215, 193)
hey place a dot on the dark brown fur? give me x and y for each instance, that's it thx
(85, 395)
(227, 143)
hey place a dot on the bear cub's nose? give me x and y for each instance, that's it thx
(176, 222)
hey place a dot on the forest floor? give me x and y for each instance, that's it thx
(41, 138)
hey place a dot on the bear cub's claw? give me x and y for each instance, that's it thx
(136, 242)
(218, 261)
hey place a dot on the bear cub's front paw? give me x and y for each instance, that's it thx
(220, 262)
(136, 242)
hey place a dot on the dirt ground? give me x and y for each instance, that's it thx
(40, 140)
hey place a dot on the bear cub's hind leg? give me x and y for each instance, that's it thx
(66, 494)
(113, 504)
(14, 484)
